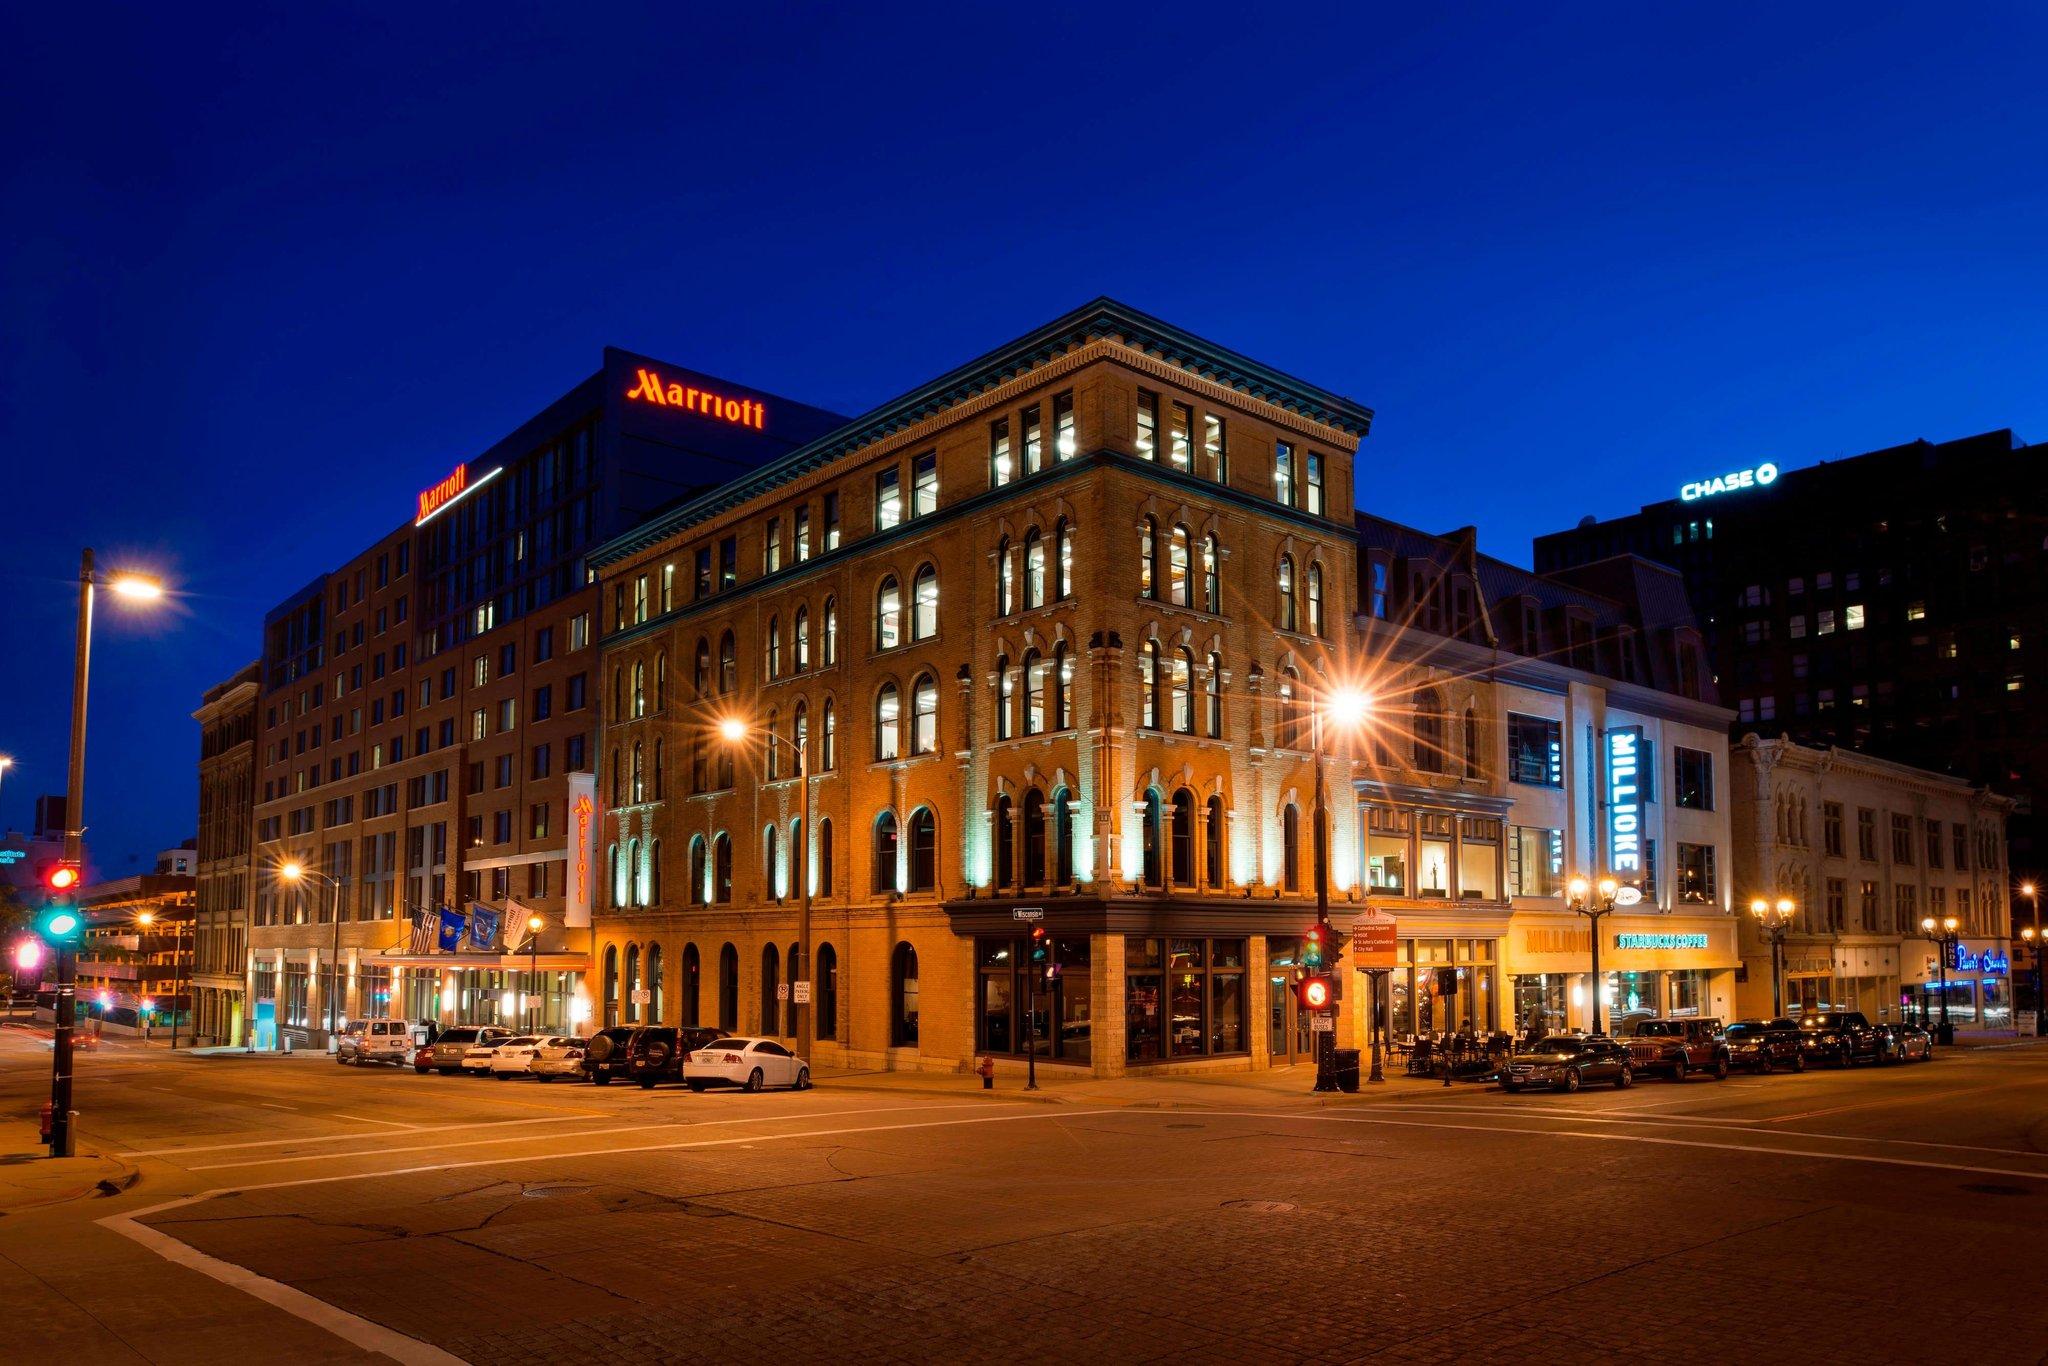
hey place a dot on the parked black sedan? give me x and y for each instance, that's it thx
(1765, 1045)
(1565, 1062)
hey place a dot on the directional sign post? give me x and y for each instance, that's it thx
(1030, 915)
(1375, 948)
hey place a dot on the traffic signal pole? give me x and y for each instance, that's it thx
(1326, 1038)
(61, 1142)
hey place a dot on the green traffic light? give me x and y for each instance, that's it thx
(59, 925)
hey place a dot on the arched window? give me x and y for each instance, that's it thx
(643, 886)
(1034, 838)
(618, 869)
(1006, 579)
(825, 857)
(618, 692)
(924, 850)
(771, 752)
(1063, 560)
(1212, 695)
(1177, 568)
(700, 773)
(771, 863)
(728, 664)
(658, 745)
(1290, 848)
(1154, 869)
(828, 739)
(1148, 685)
(618, 772)
(800, 735)
(771, 1009)
(800, 859)
(1291, 731)
(700, 672)
(774, 647)
(1183, 688)
(924, 597)
(800, 638)
(729, 989)
(661, 681)
(1315, 599)
(638, 785)
(693, 996)
(903, 997)
(721, 868)
(1034, 693)
(655, 986)
(1062, 837)
(631, 993)
(1183, 838)
(888, 722)
(1429, 731)
(885, 852)
(722, 766)
(700, 872)
(611, 985)
(831, 641)
(654, 872)
(1285, 586)
(924, 715)
(825, 1001)
(639, 687)
(1034, 569)
(1062, 688)
(1005, 854)
(1212, 579)
(1471, 742)
(1213, 845)
(1148, 557)
(888, 615)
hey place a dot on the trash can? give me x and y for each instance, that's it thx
(1347, 1070)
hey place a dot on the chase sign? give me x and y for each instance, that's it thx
(1762, 476)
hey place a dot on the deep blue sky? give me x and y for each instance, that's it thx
(266, 274)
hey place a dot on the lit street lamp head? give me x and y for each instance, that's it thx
(292, 871)
(1608, 888)
(1950, 924)
(1578, 888)
(533, 922)
(732, 729)
(1928, 924)
(1758, 907)
(1349, 706)
(2026, 888)
(145, 918)
(1784, 905)
(136, 587)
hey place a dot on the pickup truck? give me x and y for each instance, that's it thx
(1843, 1037)
(1679, 1048)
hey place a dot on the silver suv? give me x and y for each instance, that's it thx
(374, 1041)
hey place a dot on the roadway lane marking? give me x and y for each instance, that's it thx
(1870, 1158)
(329, 1138)
(375, 1337)
(275, 1106)
(1902, 1100)
(580, 1133)
(365, 1119)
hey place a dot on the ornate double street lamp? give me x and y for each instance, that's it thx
(295, 872)
(1775, 918)
(1579, 889)
(1945, 938)
(733, 730)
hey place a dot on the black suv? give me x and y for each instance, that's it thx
(643, 1053)
(1762, 1045)
(1841, 1037)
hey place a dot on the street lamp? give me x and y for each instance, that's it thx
(147, 918)
(1946, 940)
(733, 730)
(1775, 919)
(533, 924)
(295, 872)
(135, 588)
(2036, 943)
(1347, 707)
(1580, 890)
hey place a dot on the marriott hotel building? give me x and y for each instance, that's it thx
(428, 710)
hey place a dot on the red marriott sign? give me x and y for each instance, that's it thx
(649, 387)
(447, 491)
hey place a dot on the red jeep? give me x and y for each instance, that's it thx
(1679, 1048)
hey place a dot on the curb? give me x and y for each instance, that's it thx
(898, 1088)
(125, 1176)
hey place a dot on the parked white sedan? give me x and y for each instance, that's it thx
(546, 1056)
(748, 1063)
(478, 1058)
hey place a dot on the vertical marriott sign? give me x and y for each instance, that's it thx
(582, 851)
(1625, 803)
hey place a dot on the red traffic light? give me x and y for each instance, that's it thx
(61, 877)
(1314, 993)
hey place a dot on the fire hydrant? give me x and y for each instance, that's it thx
(49, 1120)
(986, 1071)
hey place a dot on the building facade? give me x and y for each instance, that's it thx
(1530, 730)
(1867, 850)
(1888, 603)
(426, 719)
(134, 959)
(227, 805)
(1047, 632)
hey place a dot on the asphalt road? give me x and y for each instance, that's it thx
(300, 1210)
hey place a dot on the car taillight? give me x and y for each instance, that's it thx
(734, 1057)
(575, 1052)
(427, 1052)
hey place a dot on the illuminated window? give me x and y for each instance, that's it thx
(771, 547)
(888, 722)
(1215, 452)
(1148, 425)
(1825, 625)
(1034, 692)
(888, 499)
(1033, 432)
(924, 715)
(800, 639)
(1315, 599)
(1063, 558)
(1148, 685)
(1148, 553)
(1285, 586)
(1064, 443)
(831, 641)
(888, 615)
(1182, 690)
(1181, 438)
(1315, 483)
(924, 616)
(1212, 583)
(1177, 568)
(1853, 617)
(1002, 466)
(1003, 697)
(1916, 611)
(800, 527)
(924, 484)
(1283, 474)
(831, 521)
(1034, 569)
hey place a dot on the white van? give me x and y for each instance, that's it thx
(374, 1041)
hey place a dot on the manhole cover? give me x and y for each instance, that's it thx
(1187, 1126)
(1260, 1206)
(1993, 1188)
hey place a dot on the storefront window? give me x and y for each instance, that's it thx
(1540, 1003)
(1478, 860)
(1535, 861)
(1433, 874)
(1997, 1003)
(1200, 984)
(1003, 1021)
(1689, 992)
(1386, 863)
(1420, 1003)
(1632, 996)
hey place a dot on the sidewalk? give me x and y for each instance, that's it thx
(1271, 1086)
(29, 1179)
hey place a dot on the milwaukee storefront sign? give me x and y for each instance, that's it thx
(650, 387)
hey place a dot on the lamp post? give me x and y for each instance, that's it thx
(533, 924)
(1775, 919)
(2036, 943)
(147, 918)
(1945, 938)
(295, 872)
(1346, 706)
(134, 588)
(734, 730)
(1579, 890)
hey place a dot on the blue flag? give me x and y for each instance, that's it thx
(450, 938)
(483, 928)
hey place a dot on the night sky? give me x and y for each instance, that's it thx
(267, 274)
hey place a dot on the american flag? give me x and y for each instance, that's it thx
(423, 931)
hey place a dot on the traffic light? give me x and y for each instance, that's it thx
(1041, 947)
(1312, 948)
(59, 923)
(1313, 993)
(61, 877)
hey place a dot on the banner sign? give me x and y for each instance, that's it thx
(450, 938)
(483, 928)
(1625, 803)
(1375, 941)
(582, 851)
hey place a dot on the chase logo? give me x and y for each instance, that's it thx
(1762, 476)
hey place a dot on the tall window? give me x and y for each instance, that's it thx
(1152, 867)
(1284, 585)
(800, 532)
(1148, 685)
(1535, 751)
(888, 615)
(828, 738)
(1004, 856)
(1212, 697)
(825, 857)
(924, 484)
(771, 863)
(924, 715)
(1180, 447)
(885, 853)
(831, 641)
(728, 663)
(700, 678)
(1064, 443)
(1034, 569)
(1063, 560)
(826, 1014)
(729, 989)
(771, 547)
(1212, 580)
(771, 1009)
(1034, 838)
(1290, 848)
(1034, 692)
(924, 596)
(1215, 451)
(1315, 599)
(774, 648)
(1148, 558)
(888, 722)
(1002, 466)
(888, 498)
(1005, 694)
(1006, 579)
(1183, 692)
(924, 850)
(800, 638)
(832, 521)
(1177, 568)
(1315, 483)
(700, 872)
(1694, 788)
(1291, 731)
(721, 868)
(1283, 474)
(903, 1010)
(1062, 687)
(1062, 837)
(1429, 731)
(1033, 433)
(1183, 838)
(692, 985)
(1148, 425)
(1213, 844)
